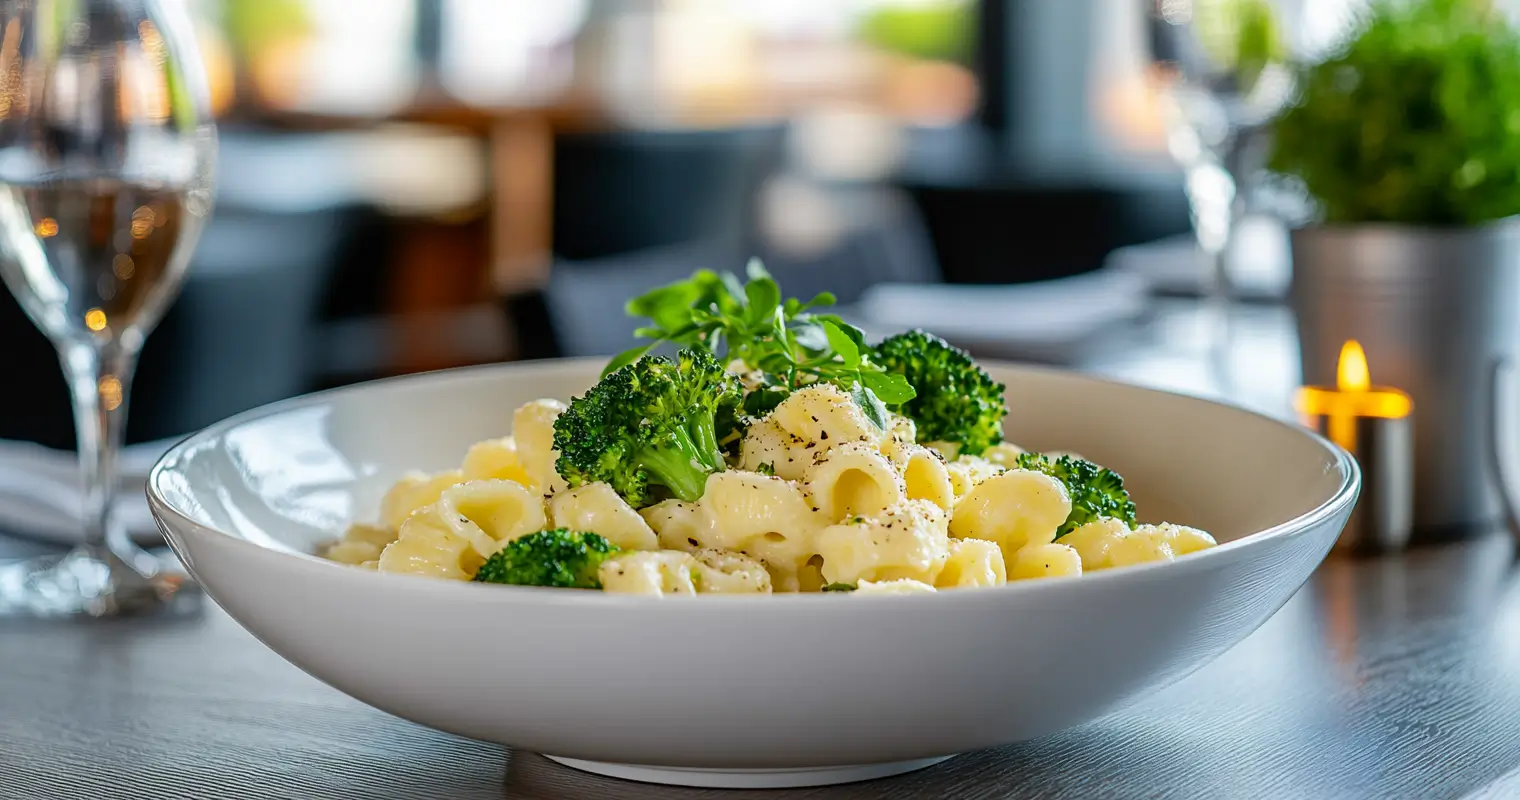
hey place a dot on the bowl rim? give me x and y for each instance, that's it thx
(172, 520)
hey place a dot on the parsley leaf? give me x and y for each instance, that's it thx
(781, 338)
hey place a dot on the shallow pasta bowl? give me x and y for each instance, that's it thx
(779, 690)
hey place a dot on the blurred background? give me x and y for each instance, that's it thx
(408, 185)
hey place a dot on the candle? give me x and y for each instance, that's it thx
(1373, 424)
(1353, 397)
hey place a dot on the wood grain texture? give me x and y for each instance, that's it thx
(1396, 678)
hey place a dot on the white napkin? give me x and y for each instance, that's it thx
(1260, 268)
(40, 495)
(1045, 318)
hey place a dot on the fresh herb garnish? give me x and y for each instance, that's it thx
(781, 339)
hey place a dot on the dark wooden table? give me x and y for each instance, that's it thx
(1397, 677)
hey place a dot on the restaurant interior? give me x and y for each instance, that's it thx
(408, 185)
(1297, 219)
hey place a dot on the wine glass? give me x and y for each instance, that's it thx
(106, 158)
(1225, 67)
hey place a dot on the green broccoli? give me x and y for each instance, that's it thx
(650, 428)
(733, 422)
(763, 400)
(957, 400)
(730, 425)
(839, 587)
(559, 557)
(1095, 491)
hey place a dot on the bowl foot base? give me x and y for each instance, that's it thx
(748, 778)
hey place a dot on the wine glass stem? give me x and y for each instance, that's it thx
(1212, 195)
(99, 378)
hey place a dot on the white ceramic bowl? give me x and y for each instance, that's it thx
(780, 690)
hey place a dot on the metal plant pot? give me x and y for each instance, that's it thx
(1436, 311)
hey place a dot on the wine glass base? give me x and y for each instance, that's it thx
(86, 581)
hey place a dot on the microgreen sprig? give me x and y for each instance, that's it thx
(782, 339)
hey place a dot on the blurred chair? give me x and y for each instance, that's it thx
(585, 299)
(625, 201)
(241, 332)
(624, 191)
(1020, 232)
(35, 402)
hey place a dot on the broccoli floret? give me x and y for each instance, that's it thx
(559, 557)
(957, 400)
(730, 425)
(839, 587)
(649, 428)
(762, 400)
(1095, 491)
(733, 422)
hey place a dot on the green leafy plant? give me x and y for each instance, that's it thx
(253, 26)
(938, 31)
(782, 339)
(1241, 35)
(1415, 121)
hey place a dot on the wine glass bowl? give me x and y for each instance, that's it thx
(1226, 70)
(106, 160)
(1226, 62)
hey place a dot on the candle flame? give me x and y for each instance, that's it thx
(1351, 373)
(1353, 397)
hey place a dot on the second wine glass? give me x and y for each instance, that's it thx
(1225, 70)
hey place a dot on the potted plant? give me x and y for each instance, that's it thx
(1408, 141)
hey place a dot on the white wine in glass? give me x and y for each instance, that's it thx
(106, 158)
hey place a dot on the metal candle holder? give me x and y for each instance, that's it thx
(1384, 514)
(1375, 425)
(1435, 307)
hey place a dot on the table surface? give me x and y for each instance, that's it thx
(1396, 677)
